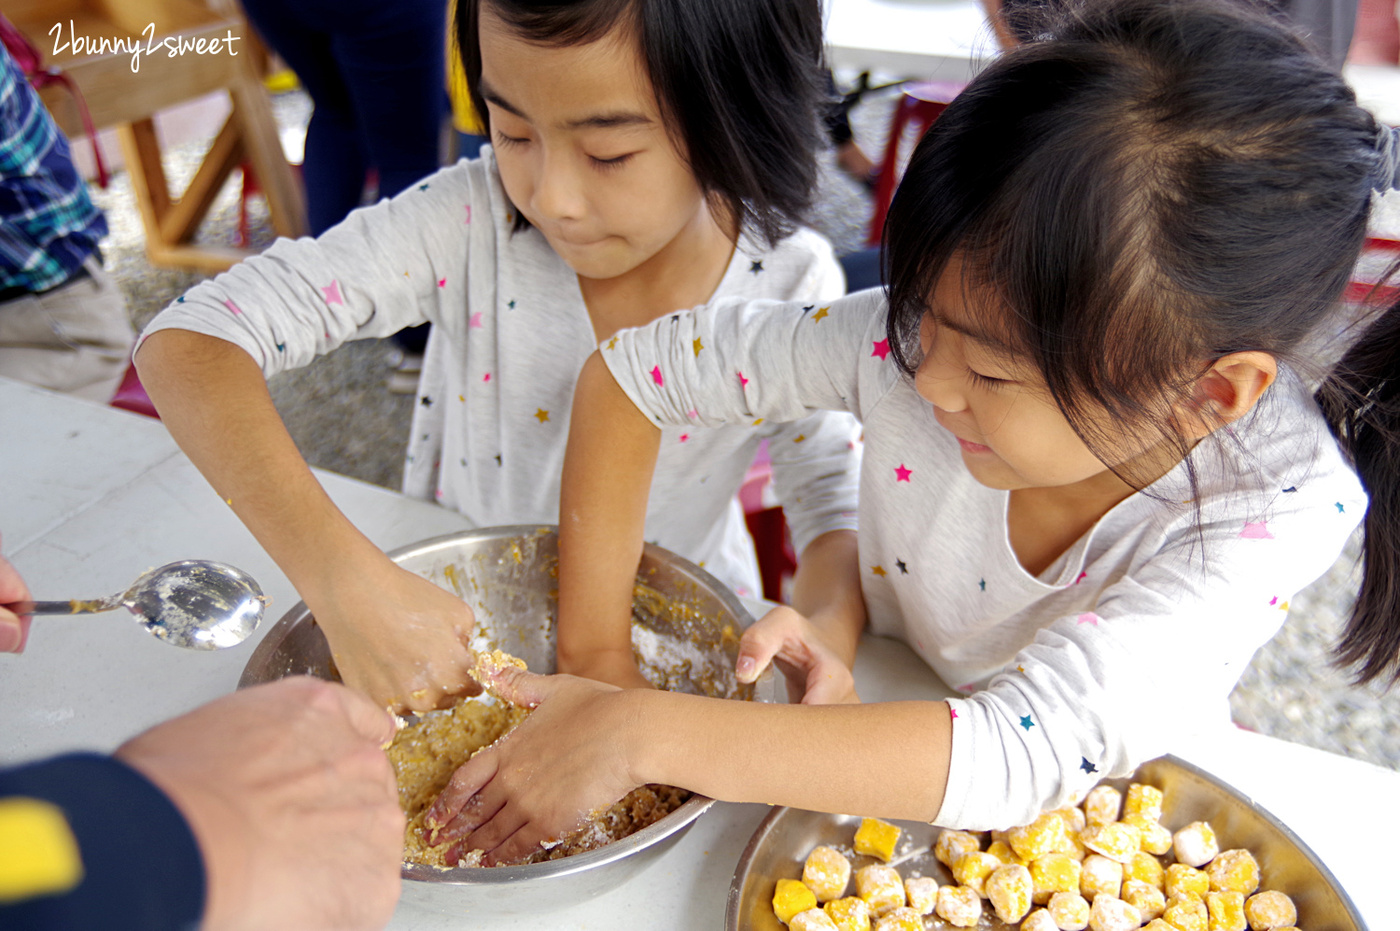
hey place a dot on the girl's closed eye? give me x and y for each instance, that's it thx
(610, 164)
(987, 381)
(507, 142)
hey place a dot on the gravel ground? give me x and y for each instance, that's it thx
(344, 420)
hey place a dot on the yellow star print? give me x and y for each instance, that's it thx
(541, 414)
(817, 317)
(800, 437)
(612, 343)
(878, 570)
(698, 345)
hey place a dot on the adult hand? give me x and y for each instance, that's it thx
(565, 760)
(397, 637)
(814, 673)
(14, 629)
(293, 801)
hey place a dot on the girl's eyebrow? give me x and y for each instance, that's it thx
(993, 344)
(605, 120)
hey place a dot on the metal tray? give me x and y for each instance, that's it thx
(784, 838)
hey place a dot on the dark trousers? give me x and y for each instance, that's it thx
(375, 73)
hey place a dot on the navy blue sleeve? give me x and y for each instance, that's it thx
(142, 869)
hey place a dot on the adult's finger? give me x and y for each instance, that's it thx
(14, 629)
(364, 717)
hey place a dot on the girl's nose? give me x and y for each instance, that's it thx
(938, 380)
(558, 193)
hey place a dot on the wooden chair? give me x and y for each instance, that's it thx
(120, 97)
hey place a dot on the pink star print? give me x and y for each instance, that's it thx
(684, 437)
(901, 473)
(488, 377)
(469, 212)
(656, 376)
(692, 413)
(968, 687)
(1273, 600)
(1256, 530)
(332, 292)
(1089, 618)
(953, 713)
(882, 348)
(742, 380)
(442, 282)
(475, 322)
(1082, 577)
(233, 308)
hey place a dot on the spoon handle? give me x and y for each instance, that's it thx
(59, 607)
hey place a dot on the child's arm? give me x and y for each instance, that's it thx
(393, 635)
(695, 366)
(611, 452)
(888, 759)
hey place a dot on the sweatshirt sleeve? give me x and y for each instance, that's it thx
(398, 263)
(1099, 692)
(742, 361)
(816, 460)
(138, 865)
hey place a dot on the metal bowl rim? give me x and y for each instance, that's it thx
(765, 827)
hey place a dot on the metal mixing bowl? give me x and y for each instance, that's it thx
(781, 843)
(509, 577)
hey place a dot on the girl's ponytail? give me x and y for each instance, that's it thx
(1361, 400)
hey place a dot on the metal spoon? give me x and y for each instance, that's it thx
(196, 604)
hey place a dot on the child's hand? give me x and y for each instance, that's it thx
(815, 674)
(564, 761)
(398, 637)
(614, 668)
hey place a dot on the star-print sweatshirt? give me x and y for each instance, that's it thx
(510, 334)
(1115, 654)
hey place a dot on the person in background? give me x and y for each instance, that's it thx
(273, 807)
(376, 73)
(63, 321)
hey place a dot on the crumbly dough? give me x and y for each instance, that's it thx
(426, 754)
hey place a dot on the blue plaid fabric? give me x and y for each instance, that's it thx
(48, 226)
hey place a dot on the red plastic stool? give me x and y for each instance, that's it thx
(1364, 287)
(920, 104)
(131, 395)
(767, 526)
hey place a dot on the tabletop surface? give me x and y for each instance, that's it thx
(93, 496)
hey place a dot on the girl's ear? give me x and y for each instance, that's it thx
(1227, 391)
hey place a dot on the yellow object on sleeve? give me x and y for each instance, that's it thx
(38, 853)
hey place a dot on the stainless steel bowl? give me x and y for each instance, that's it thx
(785, 837)
(509, 577)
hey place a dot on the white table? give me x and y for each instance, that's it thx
(92, 496)
(927, 40)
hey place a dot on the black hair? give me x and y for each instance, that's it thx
(741, 85)
(1151, 185)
